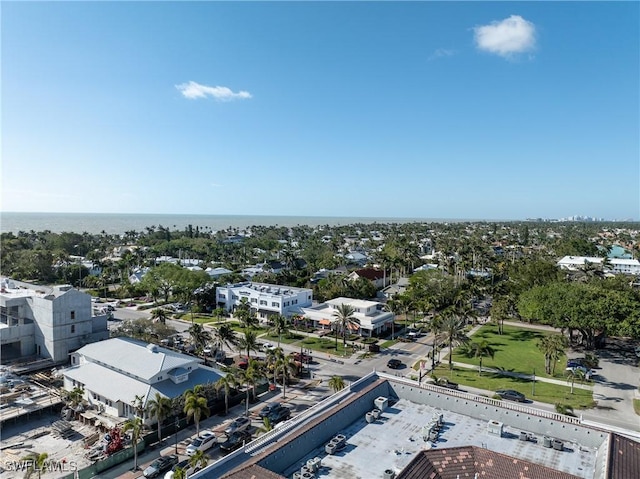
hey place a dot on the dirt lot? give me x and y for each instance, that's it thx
(35, 435)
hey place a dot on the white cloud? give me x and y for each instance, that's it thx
(193, 90)
(507, 37)
(441, 53)
(216, 185)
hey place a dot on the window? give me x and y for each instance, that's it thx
(254, 300)
(73, 328)
(73, 315)
(274, 304)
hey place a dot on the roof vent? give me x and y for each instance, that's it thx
(152, 348)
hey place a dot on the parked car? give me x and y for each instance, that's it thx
(279, 415)
(160, 465)
(511, 395)
(186, 467)
(267, 347)
(445, 383)
(301, 357)
(203, 442)
(243, 362)
(241, 423)
(588, 373)
(575, 362)
(269, 408)
(235, 440)
(394, 364)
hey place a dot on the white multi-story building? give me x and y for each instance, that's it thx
(115, 372)
(615, 265)
(370, 315)
(264, 299)
(46, 322)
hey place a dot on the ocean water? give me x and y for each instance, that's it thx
(112, 223)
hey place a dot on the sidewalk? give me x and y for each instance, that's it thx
(524, 376)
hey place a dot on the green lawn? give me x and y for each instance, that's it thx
(636, 406)
(327, 345)
(515, 351)
(388, 343)
(544, 392)
(284, 339)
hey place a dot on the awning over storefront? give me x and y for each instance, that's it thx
(324, 322)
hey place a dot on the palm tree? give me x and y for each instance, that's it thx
(480, 350)
(74, 397)
(226, 382)
(273, 357)
(553, 346)
(179, 473)
(224, 335)
(345, 320)
(159, 315)
(138, 405)
(336, 383)
(287, 366)
(573, 374)
(451, 328)
(250, 377)
(565, 409)
(266, 426)
(199, 336)
(199, 460)
(249, 342)
(160, 408)
(196, 406)
(135, 426)
(280, 326)
(37, 463)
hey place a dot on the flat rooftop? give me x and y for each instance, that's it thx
(393, 441)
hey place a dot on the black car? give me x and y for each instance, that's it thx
(279, 415)
(235, 440)
(269, 408)
(160, 465)
(511, 395)
(394, 364)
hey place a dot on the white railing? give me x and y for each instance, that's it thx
(485, 400)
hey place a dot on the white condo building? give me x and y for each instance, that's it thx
(46, 322)
(264, 299)
(615, 266)
(113, 373)
(371, 316)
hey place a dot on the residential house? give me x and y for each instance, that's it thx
(377, 276)
(615, 265)
(217, 273)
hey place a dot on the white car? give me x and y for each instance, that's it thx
(588, 373)
(203, 442)
(239, 424)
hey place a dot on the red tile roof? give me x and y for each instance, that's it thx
(370, 273)
(624, 458)
(466, 462)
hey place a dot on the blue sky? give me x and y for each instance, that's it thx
(480, 110)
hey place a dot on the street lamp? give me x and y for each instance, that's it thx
(177, 424)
